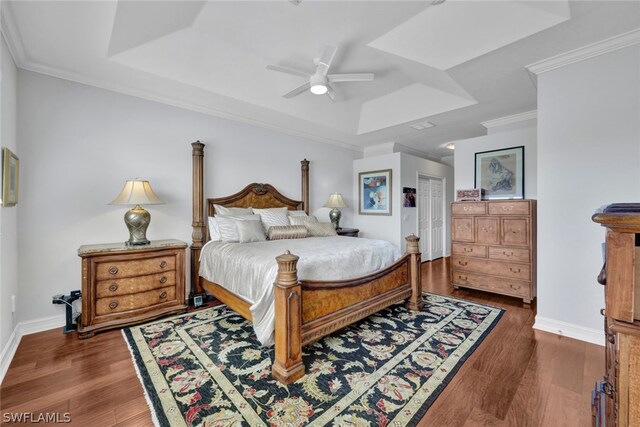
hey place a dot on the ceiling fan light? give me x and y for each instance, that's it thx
(318, 89)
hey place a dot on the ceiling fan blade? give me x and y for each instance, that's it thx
(359, 77)
(297, 91)
(331, 93)
(288, 70)
(324, 62)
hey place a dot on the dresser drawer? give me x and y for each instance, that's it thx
(120, 303)
(470, 208)
(493, 284)
(509, 254)
(511, 207)
(117, 268)
(515, 231)
(132, 285)
(497, 268)
(462, 229)
(479, 251)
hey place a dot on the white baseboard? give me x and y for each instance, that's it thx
(8, 351)
(594, 336)
(22, 329)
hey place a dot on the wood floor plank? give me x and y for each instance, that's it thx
(517, 377)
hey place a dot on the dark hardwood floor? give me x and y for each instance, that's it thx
(517, 377)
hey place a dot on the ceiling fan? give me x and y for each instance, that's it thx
(319, 83)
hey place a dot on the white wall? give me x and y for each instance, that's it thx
(78, 145)
(411, 167)
(464, 160)
(8, 215)
(402, 221)
(589, 156)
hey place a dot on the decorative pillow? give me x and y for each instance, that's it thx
(320, 229)
(221, 210)
(214, 232)
(250, 231)
(300, 220)
(280, 232)
(272, 217)
(228, 228)
(297, 213)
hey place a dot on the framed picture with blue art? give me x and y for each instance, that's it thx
(501, 173)
(375, 192)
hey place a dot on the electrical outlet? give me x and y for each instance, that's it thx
(13, 303)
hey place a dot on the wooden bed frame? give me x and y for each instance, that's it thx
(304, 310)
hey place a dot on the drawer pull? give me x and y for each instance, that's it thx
(462, 278)
(163, 264)
(113, 270)
(515, 231)
(462, 263)
(506, 254)
(113, 305)
(113, 287)
(507, 208)
(163, 294)
(517, 270)
(468, 249)
(512, 286)
(163, 279)
(465, 208)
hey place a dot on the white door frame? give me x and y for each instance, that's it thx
(445, 219)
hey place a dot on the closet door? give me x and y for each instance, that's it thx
(437, 218)
(424, 217)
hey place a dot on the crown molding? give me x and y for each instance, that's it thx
(595, 49)
(508, 120)
(11, 35)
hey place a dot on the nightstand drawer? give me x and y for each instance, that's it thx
(118, 304)
(117, 268)
(132, 285)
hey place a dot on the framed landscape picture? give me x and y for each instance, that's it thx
(501, 173)
(374, 192)
(10, 165)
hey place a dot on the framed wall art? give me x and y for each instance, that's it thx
(374, 192)
(10, 165)
(501, 173)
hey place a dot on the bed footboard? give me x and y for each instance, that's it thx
(308, 310)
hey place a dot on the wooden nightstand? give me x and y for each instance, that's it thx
(123, 285)
(350, 232)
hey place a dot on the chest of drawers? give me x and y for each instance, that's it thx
(123, 285)
(493, 247)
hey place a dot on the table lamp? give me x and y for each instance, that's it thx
(137, 192)
(335, 201)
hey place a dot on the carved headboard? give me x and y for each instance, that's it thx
(253, 195)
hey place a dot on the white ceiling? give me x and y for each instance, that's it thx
(456, 64)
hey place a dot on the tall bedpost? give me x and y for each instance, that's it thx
(198, 234)
(415, 273)
(288, 366)
(304, 169)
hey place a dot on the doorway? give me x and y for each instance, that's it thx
(431, 216)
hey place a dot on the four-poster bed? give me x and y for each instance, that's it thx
(305, 310)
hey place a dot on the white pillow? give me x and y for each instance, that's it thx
(300, 220)
(228, 228)
(297, 213)
(221, 210)
(272, 217)
(250, 231)
(214, 232)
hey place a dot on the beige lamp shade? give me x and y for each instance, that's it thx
(137, 192)
(335, 201)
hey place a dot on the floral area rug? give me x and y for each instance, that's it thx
(206, 368)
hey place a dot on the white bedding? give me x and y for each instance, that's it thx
(249, 269)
